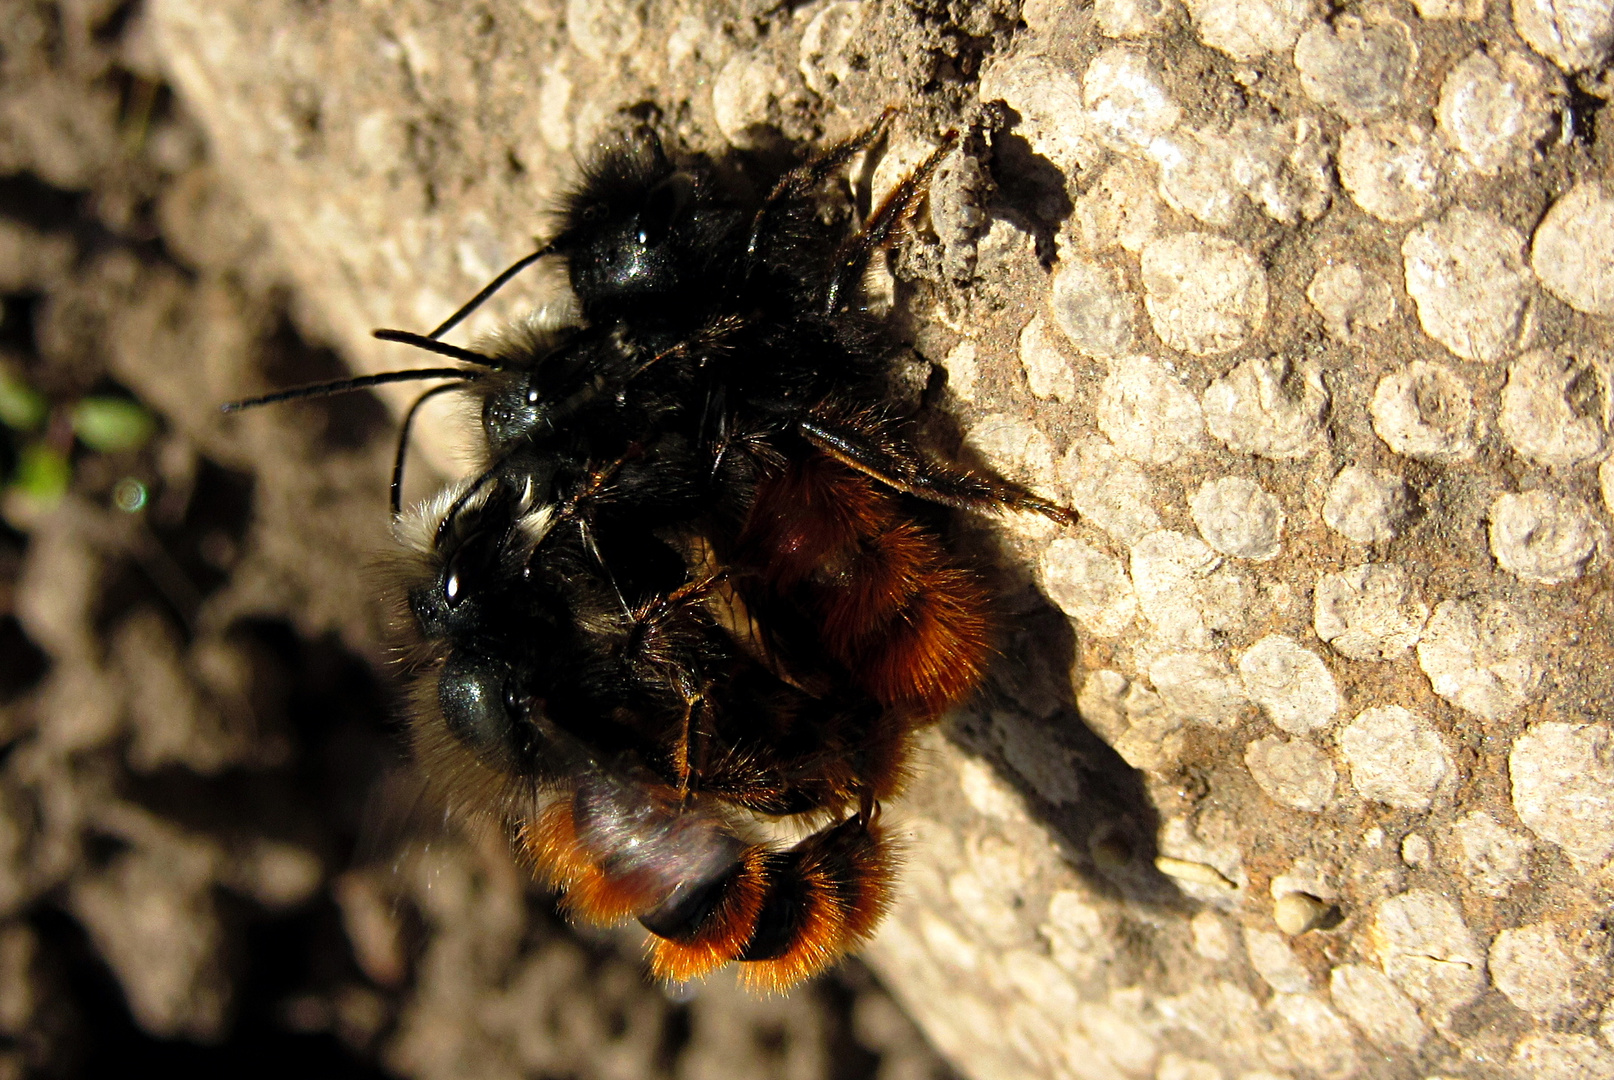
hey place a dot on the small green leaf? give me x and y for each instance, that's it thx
(43, 473)
(108, 423)
(22, 408)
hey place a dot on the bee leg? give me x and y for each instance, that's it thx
(800, 181)
(853, 257)
(690, 753)
(899, 465)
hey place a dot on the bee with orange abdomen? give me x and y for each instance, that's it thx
(703, 578)
(617, 723)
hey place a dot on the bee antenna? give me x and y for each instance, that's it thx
(345, 386)
(403, 439)
(441, 348)
(459, 504)
(489, 289)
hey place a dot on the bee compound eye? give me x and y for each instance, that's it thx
(478, 700)
(464, 566)
(665, 202)
(532, 395)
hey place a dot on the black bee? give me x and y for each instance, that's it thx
(702, 575)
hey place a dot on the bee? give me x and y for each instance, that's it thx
(702, 579)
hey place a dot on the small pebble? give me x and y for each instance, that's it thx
(1424, 945)
(1199, 687)
(1431, 10)
(1197, 872)
(1396, 757)
(1134, 18)
(1563, 787)
(1126, 98)
(1296, 912)
(1493, 858)
(1120, 209)
(1148, 413)
(831, 46)
(1415, 850)
(1089, 586)
(1093, 308)
(1292, 772)
(1048, 373)
(1291, 684)
(1236, 516)
(1556, 1056)
(1479, 657)
(1276, 963)
(1557, 405)
(1053, 118)
(601, 29)
(1534, 971)
(1369, 612)
(1109, 490)
(743, 95)
(1386, 1016)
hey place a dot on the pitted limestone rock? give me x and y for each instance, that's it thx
(1205, 294)
(1571, 253)
(1557, 407)
(1465, 271)
(1236, 516)
(1396, 757)
(1394, 170)
(1544, 537)
(1425, 410)
(1369, 506)
(1496, 107)
(1574, 34)
(1292, 772)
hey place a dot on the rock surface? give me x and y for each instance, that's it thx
(1337, 619)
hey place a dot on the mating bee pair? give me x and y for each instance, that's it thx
(701, 579)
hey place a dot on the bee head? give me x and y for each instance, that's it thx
(633, 246)
(547, 395)
(485, 708)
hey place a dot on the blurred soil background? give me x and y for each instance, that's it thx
(209, 850)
